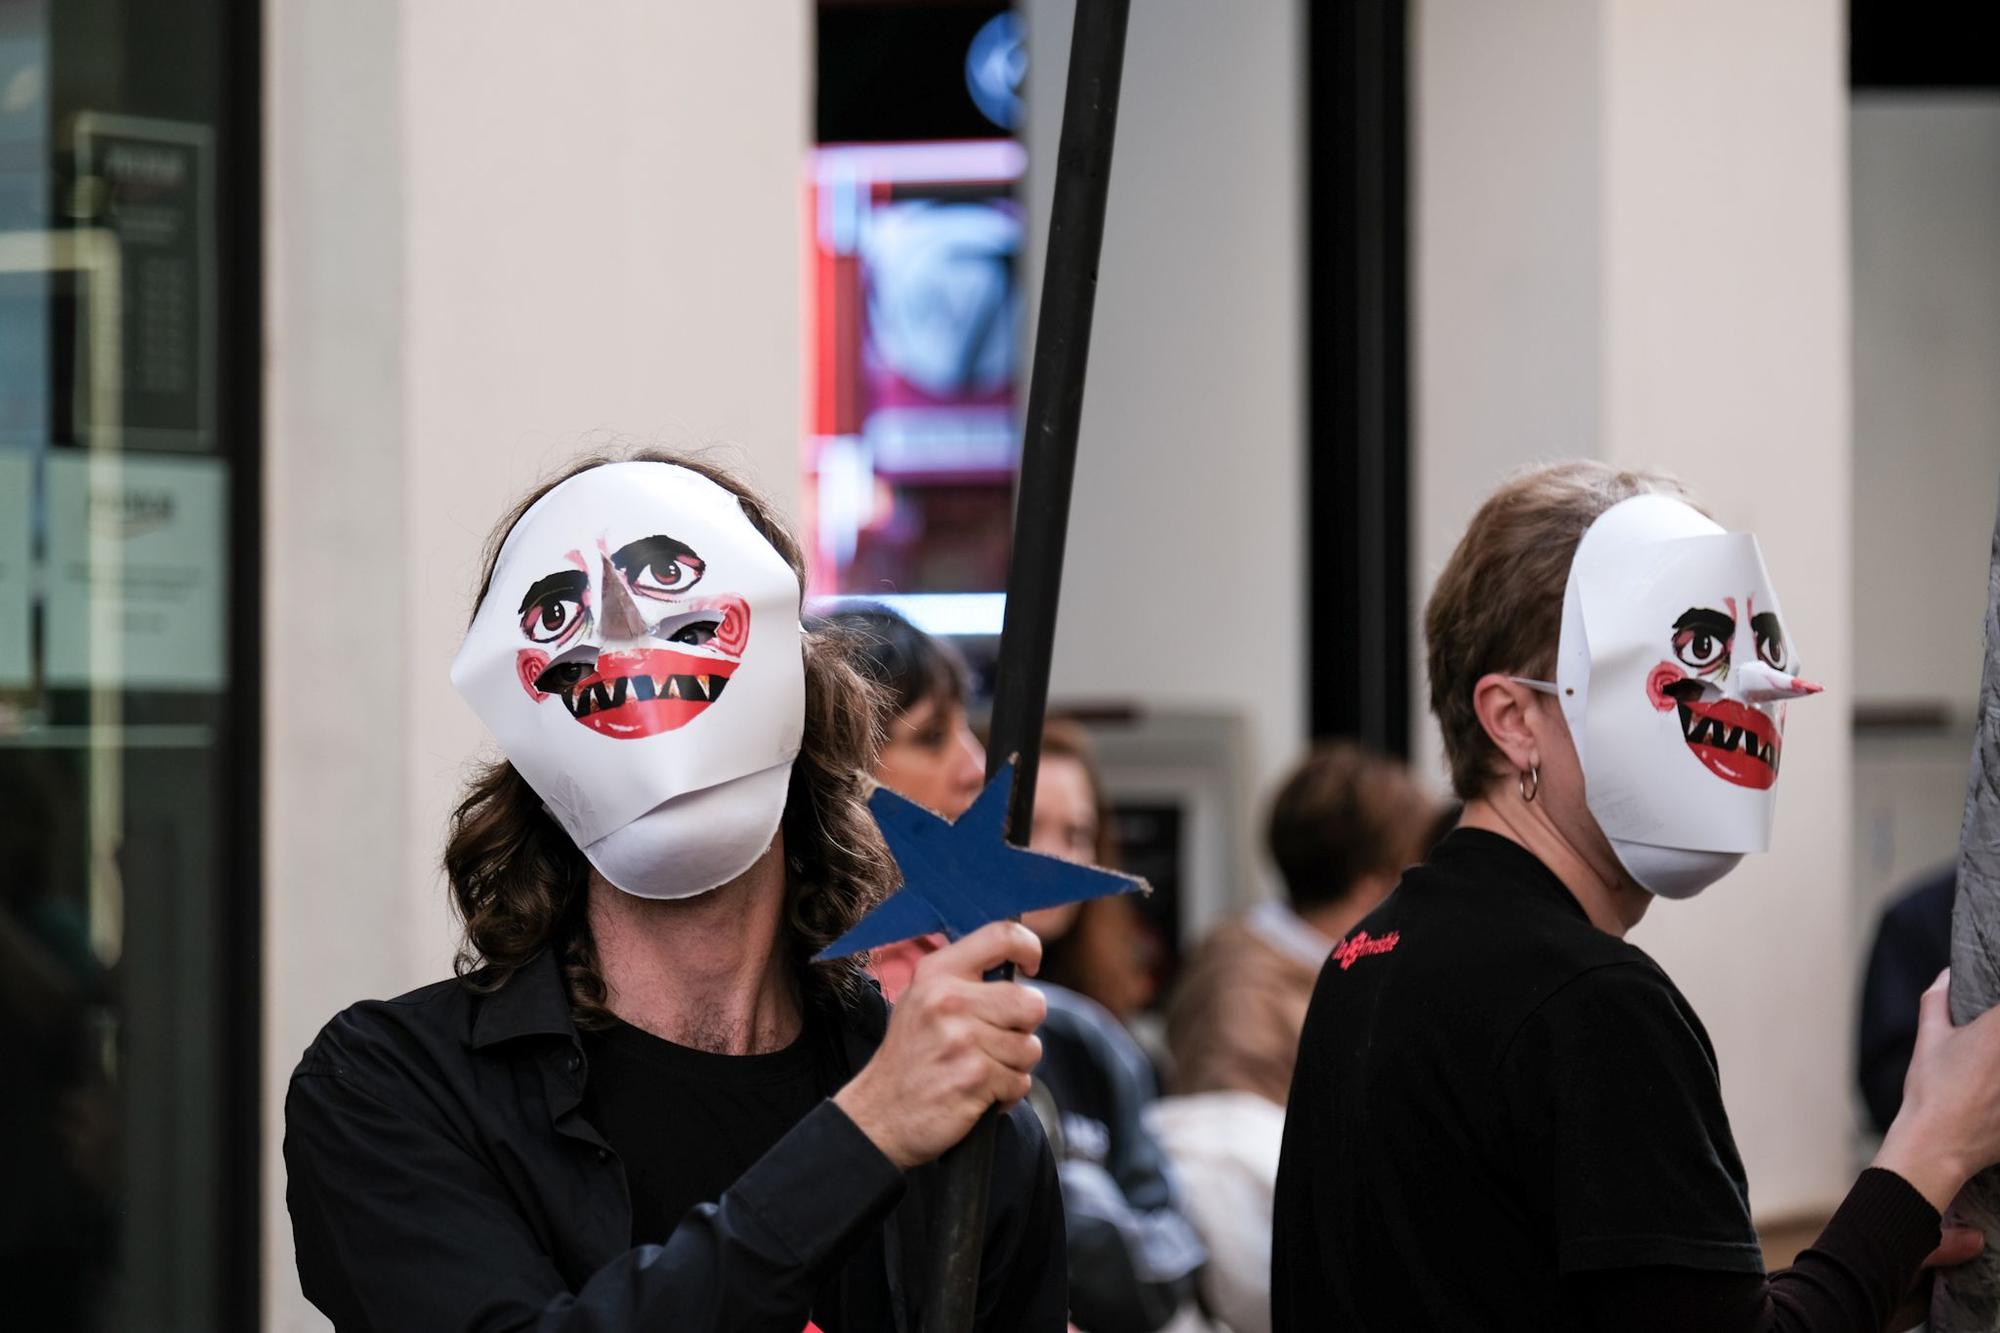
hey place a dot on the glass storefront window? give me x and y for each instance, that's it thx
(914, 378)
(128, 692)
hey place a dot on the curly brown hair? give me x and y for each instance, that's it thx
(520, 884)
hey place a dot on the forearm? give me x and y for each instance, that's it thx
(468, 1258)
(759, 1254)
(1850, 1281)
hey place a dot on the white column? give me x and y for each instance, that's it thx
(500, 235)
(1184, 582)
(337, 681)
(1727, 357)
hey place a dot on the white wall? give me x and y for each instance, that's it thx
(1183, 585)
(1926, 211)
(1507, 333)
(1667, 285)
(1729, 342)
(496, 229)
(338, 904)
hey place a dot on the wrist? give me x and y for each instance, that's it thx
(856, 1103)
(1933, 1171)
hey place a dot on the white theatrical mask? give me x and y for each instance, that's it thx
(638, 657)
(1672, 671)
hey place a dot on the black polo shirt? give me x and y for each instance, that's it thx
(1492, 1095)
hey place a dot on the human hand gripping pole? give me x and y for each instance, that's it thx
(955, 1046)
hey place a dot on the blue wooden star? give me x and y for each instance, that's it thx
(959, 876)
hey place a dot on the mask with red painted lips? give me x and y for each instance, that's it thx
(1673, 670)
(638, 657)
(1737, 743)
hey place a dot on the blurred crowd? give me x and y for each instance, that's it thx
(1167, 1149)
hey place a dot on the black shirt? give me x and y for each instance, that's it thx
(1504, 1118)
(1492, 1093)
(687, 1123)
(442, 1174)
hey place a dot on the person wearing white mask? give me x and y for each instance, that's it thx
(1505, 1116)
(641, 1104)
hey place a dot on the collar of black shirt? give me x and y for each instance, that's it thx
(535, 1003)
(1495, 860)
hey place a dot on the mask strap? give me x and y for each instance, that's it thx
(1539, 686)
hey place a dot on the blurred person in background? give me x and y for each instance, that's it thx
(1912, 945)
(1133, 1255)
(643, 1102)
(1105, 948)
(58, 1118)
(928, 754)
(1341, 828)
(1109, 952)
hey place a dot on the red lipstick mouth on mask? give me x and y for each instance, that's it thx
(645, 691)
(1736, 742)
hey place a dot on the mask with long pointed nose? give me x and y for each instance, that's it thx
(1673, 671)
(638, 657)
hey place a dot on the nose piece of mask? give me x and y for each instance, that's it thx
(1759, 684)
(697, 842)
(622, 619)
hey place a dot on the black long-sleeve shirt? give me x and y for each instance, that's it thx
(1504, 1118)
(443, 1176)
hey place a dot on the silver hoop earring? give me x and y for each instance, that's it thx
(1531, 782)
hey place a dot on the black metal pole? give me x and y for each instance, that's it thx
(1034, 573)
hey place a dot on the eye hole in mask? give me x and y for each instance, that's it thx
(693, 628)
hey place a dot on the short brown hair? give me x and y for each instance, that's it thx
(1498, 604)
(1344, 813)
(519, 883)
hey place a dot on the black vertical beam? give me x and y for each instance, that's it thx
(1358, 371)
(1034, 571)
(239, 238)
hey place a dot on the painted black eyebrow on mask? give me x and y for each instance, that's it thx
(648, 552)
(1711, 622)
(1765, 625)
(573, 582)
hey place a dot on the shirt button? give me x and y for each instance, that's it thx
(604, 1154)
(575, 1063)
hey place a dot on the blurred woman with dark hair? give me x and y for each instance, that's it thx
(928, 753)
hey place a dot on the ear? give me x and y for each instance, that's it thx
(1504, 709)
(529, 665)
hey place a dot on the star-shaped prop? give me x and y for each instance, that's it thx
(959, 876)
